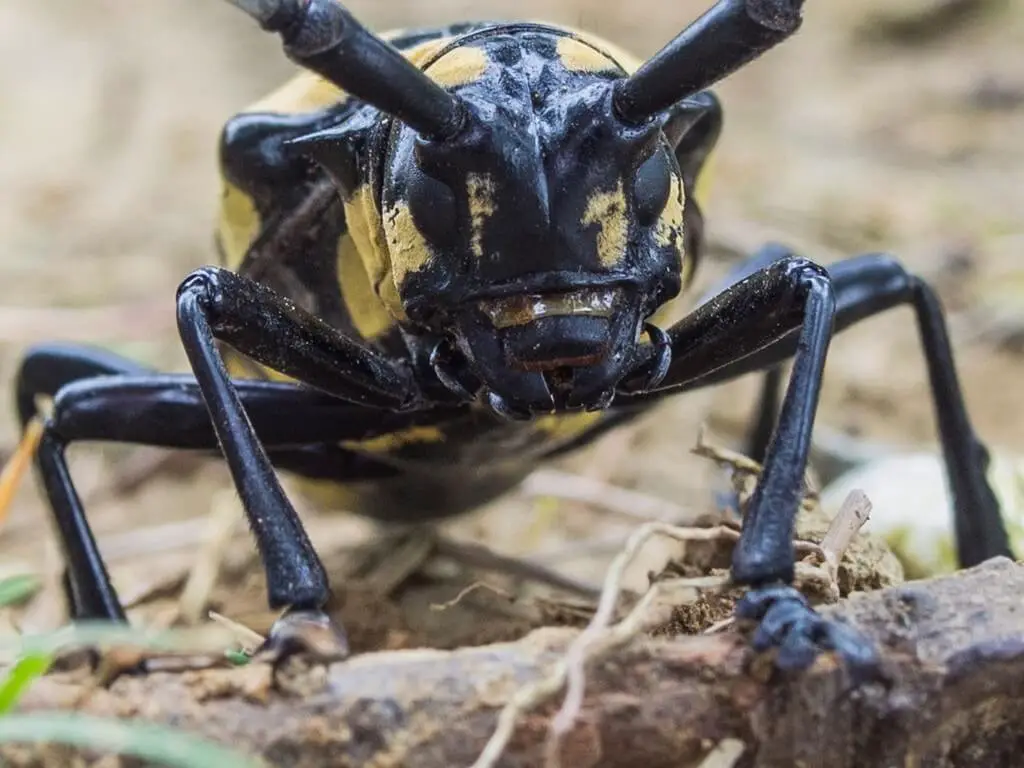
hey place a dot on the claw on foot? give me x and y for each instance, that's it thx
(787, 622)
(311, 634)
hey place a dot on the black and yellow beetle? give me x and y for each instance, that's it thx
(448, 255)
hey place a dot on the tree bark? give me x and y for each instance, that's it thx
(954, 648)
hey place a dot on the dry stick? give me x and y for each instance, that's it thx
(248, 638)
(853, 514)
(17, 465)
(467, 591)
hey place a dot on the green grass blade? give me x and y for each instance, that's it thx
(24, 672)
(164, 746)
(15, 590)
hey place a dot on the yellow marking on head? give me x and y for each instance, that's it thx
(395, 440)
(238, 224)
(608, 211)
(481, 193)
(369, 315)
(407, 247)
(577, 56)
(458, 66)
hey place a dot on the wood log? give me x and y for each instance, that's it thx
(953, 647)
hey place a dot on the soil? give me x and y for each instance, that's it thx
(883, 125)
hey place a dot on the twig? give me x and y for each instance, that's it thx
(577, 653)
(250, 639)
(17, 465)
(852, 516)
(738, 464)
(463, 593)
(533, 695)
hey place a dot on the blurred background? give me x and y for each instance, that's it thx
(891, 125)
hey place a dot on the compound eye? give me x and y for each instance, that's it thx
(432, 204)
(651, 187)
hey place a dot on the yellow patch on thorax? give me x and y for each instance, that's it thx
(628, 61)
(577, 56)
(395, 440)
(369, 316)
(668, 231)
(366, 229)
(481, 193)
(458, 66)
(407, 247)
(670, 224)
(305, 92)
(238, 224)
(608, 211)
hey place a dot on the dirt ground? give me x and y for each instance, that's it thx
(883, 125)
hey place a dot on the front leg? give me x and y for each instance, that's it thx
(791, 298)
(214, 304)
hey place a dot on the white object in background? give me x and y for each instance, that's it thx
(912, 509)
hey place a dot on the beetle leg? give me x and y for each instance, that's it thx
(767, 408)
(789, 296)
(168, 411)
(866, 286)
(788, 310)
(214, 304)
(44, 370)
(300, 426)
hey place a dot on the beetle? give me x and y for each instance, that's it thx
(448, 255)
